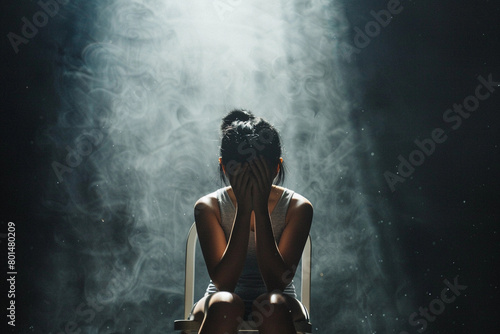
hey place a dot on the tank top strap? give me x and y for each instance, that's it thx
(227, 211)
(278, 216)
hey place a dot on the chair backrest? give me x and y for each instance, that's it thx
(305, 290)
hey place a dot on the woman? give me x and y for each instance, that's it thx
(251, 233)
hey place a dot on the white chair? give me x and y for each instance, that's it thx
(192, 326)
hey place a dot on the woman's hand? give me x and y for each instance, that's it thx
(262, 184)
(241, 184)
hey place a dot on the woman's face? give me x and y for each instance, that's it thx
(233, 168)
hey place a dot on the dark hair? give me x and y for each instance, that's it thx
(244, 137)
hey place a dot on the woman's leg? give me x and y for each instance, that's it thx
(276, 312)
(220, 312)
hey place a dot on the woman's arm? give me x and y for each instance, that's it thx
(225, 260)
(277, 263)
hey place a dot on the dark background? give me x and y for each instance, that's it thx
(426, 60)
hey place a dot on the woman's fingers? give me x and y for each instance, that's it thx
(259, 168)
(238, 171)
(245, 177)
(241, 180)
(255, 174)
(248, 181)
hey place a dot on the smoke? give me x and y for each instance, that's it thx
(143, 86)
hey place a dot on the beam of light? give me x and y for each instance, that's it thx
(154, 78)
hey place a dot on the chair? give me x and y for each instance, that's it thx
(191, 326)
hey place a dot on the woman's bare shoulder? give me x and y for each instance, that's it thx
(207, 205)
(299, 203)
(300, 214)
(207, 201)
(298, 200)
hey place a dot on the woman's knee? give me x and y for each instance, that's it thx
(271, 304)
(226, 304)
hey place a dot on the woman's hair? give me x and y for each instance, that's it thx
(245, 137)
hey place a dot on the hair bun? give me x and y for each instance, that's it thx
(236, 115)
